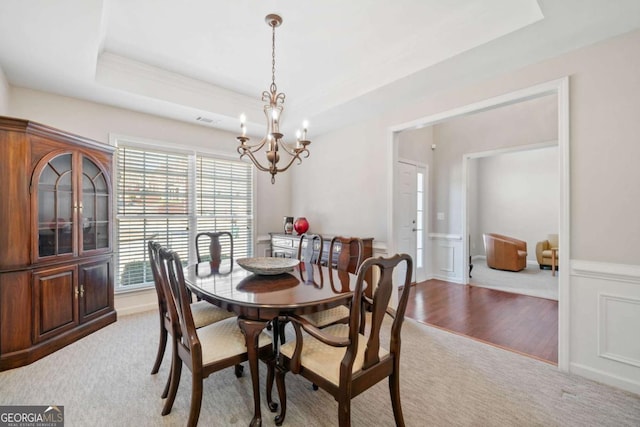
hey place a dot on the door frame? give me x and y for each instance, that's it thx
(426, 265)
(560, 88)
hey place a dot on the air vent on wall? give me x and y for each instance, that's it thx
(207, 120)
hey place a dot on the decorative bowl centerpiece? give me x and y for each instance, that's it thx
(267, 266)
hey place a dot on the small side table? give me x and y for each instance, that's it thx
(554, 261)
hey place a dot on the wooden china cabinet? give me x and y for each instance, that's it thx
(56, 262)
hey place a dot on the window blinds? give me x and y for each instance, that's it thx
(224, 200)
(157, 200)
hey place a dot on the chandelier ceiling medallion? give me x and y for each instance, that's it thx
(272, 142)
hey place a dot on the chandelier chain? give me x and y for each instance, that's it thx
(273, 57)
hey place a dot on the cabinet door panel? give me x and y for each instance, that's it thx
(54, 301)
(55, 206)
(96, 293)
(283, 254)
(95, 202)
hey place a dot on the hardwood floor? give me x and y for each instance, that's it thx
(520, 323)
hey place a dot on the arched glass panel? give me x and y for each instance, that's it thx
(95, 207)
(55, 207)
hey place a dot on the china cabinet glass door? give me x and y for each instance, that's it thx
(71, 221)
(94, 208)
(56, 231)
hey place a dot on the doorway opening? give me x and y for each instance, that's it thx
(447, 241)
(513, 192)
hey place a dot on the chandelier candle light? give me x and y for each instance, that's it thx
(273, 111)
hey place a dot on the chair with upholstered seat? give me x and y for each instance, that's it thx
(338, 314)
(504, 252)
(310, 252)
(340, 359)
(310, 248)
(544, 252)
(215, 247)
(203, 312)
(204, 350)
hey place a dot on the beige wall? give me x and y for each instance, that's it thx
(340, 188)
(98, 121)
(512, 127)
(604, 99)
(415, 145)
(522, 124)
(599, 309)
(4, 94)
(533, 210)
(518, 195)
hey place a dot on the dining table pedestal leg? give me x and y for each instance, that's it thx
(278, 337)
(252, 330)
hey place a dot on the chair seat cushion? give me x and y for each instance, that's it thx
(224, 339)
(323, 318)
(324, 359)
(205, 313)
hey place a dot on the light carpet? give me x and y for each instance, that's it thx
(530, 281)
(446, 380)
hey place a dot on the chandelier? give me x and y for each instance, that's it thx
(272, 142)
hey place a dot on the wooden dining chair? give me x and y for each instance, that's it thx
(210, 247)
(205, 350)
(310, 248)
(340, 258)
(340, 358)
(203, 312)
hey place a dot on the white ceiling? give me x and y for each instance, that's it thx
(336, 60)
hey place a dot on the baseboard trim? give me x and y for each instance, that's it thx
(605, 378)
(142, 308)
(443, 236)
(530, 262)
(457, 280)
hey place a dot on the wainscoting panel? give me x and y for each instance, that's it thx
(604, 318)
(446, 250)
(446, 257)
(615, 315)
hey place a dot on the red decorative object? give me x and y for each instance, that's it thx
(301, 225)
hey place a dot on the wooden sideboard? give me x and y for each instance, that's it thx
(286, 246)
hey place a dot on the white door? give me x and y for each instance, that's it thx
(410, 213)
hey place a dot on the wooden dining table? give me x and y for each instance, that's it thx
(259, 300)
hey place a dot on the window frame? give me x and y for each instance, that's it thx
(192, 216)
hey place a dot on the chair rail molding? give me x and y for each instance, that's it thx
(443, 236)
(607, 271)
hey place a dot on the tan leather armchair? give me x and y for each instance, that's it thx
(505, 253)
(544, 252)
